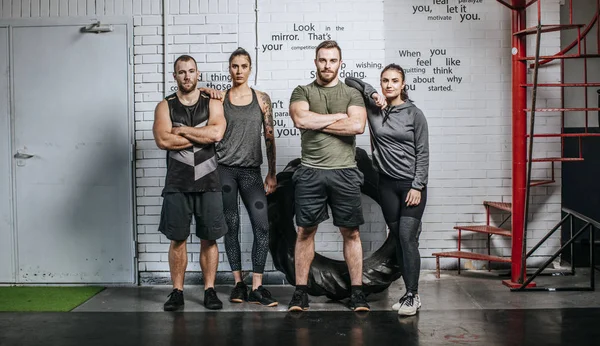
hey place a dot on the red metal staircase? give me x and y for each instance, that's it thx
(523, 159)
(487, 229)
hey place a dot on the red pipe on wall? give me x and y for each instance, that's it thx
(519, 142)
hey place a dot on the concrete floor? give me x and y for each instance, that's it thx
(470, 290)
(547, 327)
(471, 309)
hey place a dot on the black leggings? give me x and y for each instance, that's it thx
(403, 222)
(248, 181)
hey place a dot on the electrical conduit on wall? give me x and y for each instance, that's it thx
(165, 46)
(256, 42)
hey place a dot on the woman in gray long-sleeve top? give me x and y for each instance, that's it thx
(400, 144)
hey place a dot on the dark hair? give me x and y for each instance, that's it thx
(240, 51)
(184, 58)
(328, 44)
(396, 67)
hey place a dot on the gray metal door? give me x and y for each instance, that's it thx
(72, 154)
(7, 266)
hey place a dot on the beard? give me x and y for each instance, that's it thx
(187, 90)
(325, 78)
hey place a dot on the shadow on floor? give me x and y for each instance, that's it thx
(473, 327)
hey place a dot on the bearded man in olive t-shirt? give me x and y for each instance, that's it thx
(330, 115)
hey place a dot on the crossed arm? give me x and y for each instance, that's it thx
(352, 123)
(168, 137)
(162, 130)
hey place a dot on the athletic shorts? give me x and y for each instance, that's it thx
(206, 207)
(339, 188)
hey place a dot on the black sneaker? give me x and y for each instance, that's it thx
(299, 301)
(358, 302)
(239, 293)
(262, 296)
(175, 301)
(211, 301)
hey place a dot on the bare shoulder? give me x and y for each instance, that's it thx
(162, 119)
(262, 96)
(162, 106)
(263, 99)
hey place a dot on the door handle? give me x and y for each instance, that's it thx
(23, 156)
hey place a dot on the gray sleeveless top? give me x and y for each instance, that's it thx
(240, 145)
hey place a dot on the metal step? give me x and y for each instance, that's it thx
(499, 205)
(583, 134)
(538, 182)
(548, 28)
(472, 256)
(485, 229)
(566, 56)
(557, 159)
(567, 85)
(564, 110)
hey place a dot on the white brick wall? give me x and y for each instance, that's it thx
(470, 126)
(284, 63)
(207, 30)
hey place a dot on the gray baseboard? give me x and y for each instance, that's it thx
(223, 278)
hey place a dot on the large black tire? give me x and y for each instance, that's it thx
(327, 276)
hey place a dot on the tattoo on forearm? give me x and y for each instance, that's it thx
(269, 132)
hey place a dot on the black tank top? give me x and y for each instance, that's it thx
(193, 169)
(240, 146)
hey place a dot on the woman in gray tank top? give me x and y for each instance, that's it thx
(239, 154)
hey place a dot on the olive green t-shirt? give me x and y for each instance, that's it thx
(323, 150)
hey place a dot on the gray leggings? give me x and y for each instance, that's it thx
(248, 182)
(404, 223)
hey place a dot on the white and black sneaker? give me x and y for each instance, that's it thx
(408, 305)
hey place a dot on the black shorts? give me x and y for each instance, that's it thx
(316, 188)
(177, 211)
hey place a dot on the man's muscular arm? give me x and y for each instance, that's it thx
(304, 119)
(354, 124)
(162, 130)
(212, 132)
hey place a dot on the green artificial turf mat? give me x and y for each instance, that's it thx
(45, 298)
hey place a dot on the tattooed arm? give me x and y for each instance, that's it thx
(267, 110)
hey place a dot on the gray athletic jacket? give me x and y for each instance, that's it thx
(399, 137)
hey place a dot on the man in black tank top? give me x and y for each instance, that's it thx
(188, 124)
